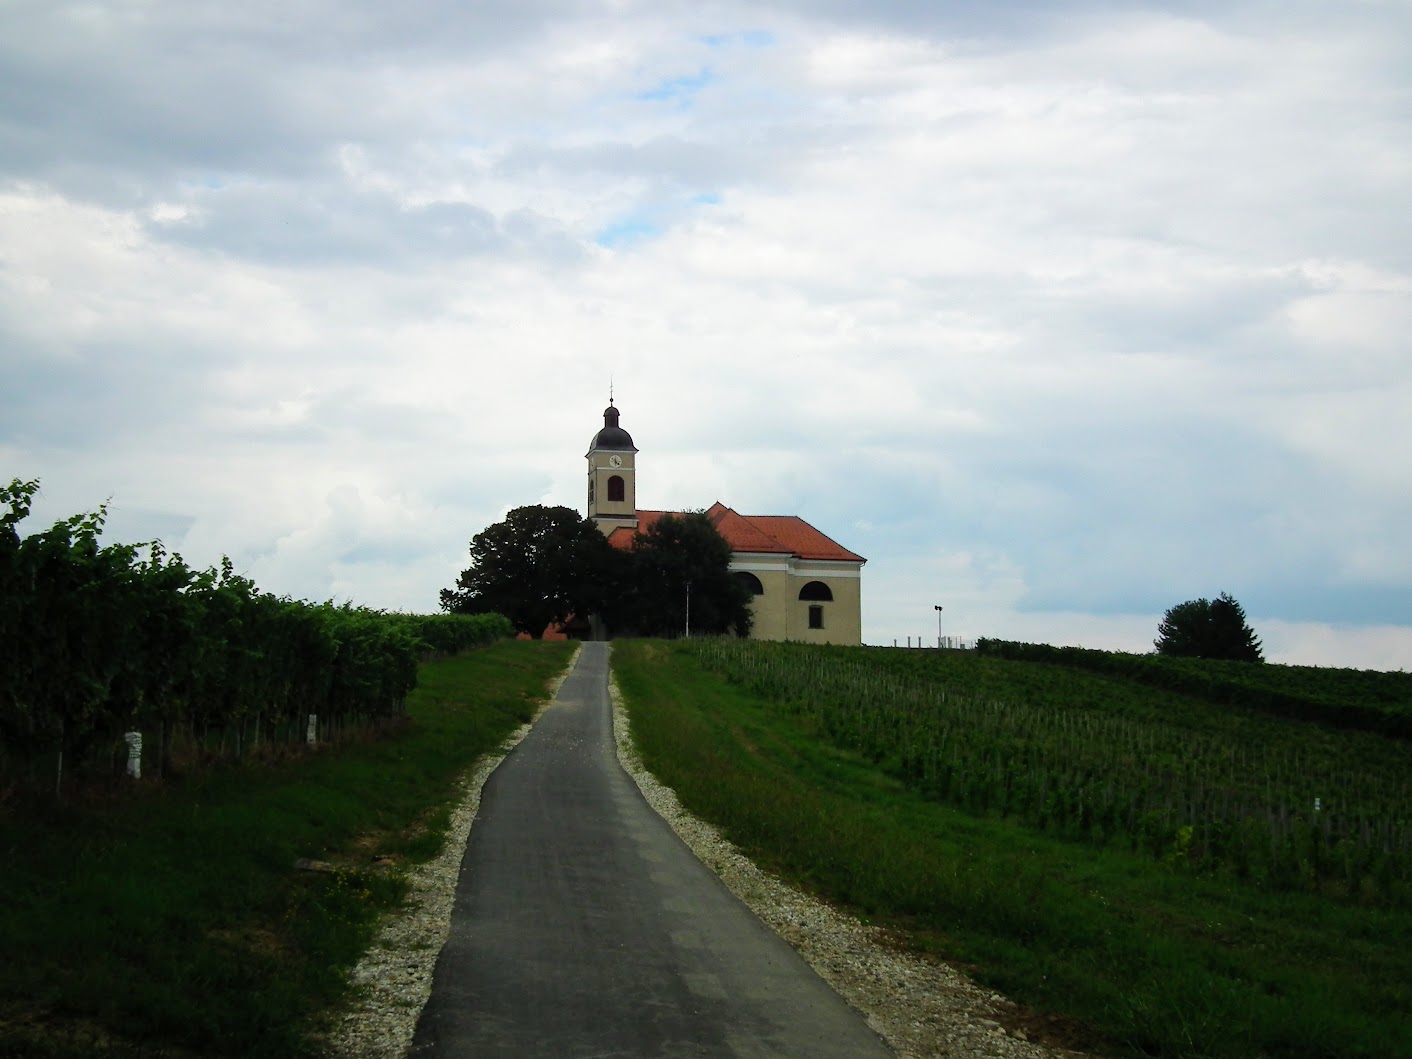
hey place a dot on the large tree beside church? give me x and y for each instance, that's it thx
(678, 574)
(538, 567)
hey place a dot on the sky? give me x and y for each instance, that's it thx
(1059, 313)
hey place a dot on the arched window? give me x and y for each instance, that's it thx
(615, 488)
(817, 591)
(750, 581)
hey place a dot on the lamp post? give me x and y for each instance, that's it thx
(937, 608)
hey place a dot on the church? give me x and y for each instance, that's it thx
(806, 585)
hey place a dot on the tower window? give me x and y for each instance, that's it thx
(816, 617)
(817, 590)
(615, 488)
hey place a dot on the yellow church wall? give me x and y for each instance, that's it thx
(843, 615)
(770, 609)
(779, 613)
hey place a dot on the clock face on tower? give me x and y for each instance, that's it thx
(615, 460)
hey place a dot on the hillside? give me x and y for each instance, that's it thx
(1344, 698)
(1174, 873)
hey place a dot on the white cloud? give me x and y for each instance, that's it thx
(1068, 314)
(1382, 647)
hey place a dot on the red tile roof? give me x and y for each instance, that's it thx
(742, 533)
(777, 534)
(803, 539)
(622, 536)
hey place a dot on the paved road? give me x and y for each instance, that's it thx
(584, 927)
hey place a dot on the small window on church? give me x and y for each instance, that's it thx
(816, 590)
(750, 581)
(615, 488)
(816, 617)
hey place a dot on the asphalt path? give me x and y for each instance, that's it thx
(584, 927)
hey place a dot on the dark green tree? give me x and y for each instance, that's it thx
(538, 567)
(677, 551)
(1202, 628)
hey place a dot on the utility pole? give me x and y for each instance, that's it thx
(937, 608)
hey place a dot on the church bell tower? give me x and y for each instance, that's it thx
(612, 476)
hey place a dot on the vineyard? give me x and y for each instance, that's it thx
(1113, 762)
(1343, 698)
(98, 641)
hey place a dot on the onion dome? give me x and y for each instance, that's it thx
(612, 438)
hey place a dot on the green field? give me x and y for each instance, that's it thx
(172, 922)
(1145, 864)
(1149, 864)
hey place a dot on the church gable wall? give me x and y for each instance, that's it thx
(840, 619)
(779, 612)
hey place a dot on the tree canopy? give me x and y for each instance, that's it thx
(538, 567)
(1202, 628)
(543, 565)
(674, 552)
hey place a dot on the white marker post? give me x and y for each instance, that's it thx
(134, 754)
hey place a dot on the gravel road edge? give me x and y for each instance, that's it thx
(392, 982)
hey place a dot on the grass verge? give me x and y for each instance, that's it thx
(1151, 959)
(173, 923)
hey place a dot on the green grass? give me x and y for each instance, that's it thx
(1144, 957)
(173, 922)
(1104, 758)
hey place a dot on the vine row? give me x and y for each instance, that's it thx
(100, 640)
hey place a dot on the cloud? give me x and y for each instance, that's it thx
(626, 230)
(679, 90)
(1070, 312)
(309, 225)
